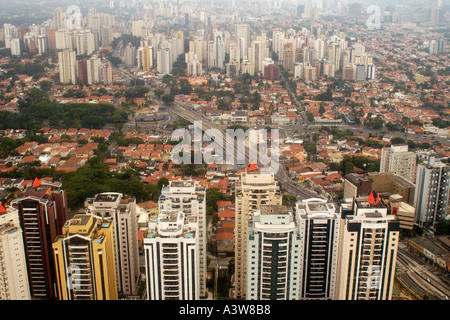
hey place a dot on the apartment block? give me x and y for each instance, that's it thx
(190, 198)
(319, 231)
(369, 242)
(272, 254)
(42, 214)
(85, 259)
(13, 265)
(431, 195)
(172, 259)
(252, 191)
(121, 211)
(397, 159)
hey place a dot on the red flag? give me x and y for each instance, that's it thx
(252, 167)
(371, 199)
(378, 198)
(2, 208)
(36, 183)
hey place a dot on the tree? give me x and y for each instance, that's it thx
(163, 182)
(168, 98)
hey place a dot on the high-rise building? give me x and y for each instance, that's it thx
(368, 254)
(288, 56)
(319, 234)
(273, 251)
(163, 60)
(252, 191)
(107, 74)
(272, 72)
(13, 265)
(130, 55)
(67, 66)
(93, 70)
(58, 19)
(15, 47)
(121, 211)
(397, 159)
(189, 198)
(431, 195)
(172, 258)
(242, 34)
(85, 259)
(42, 213)
(82, 71)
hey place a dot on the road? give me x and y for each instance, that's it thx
(415, 274)
(281, 175)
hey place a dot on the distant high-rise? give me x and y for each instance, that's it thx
(42, 214)
(431, 197)
(15, 47)
(85, 259)
(252, 191)
(368, 251)
(58, 19)
(130, 55)
(242, 34)
(397, 159)
(67, 66)
(13, 265)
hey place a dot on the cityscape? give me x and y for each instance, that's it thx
(225, 150)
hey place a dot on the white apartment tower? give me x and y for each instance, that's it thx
(319, 230)
(273, 254)
(67, 67)
(13, 266)
(172, 259)
(121, 211)
(398, 160)
(369, 242)
(189, 198)
(251, 192)
(431, 194)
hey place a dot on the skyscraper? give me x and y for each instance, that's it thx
(242, 34)
(121, 211)
(13, 265)
(189, 198)
(42, 214)
(368, 254)
(319, 233)
(272, 254)
(172, 258)
(431, 195)
(85, 259)
(251, 191)
(67, 66)
(397, 159)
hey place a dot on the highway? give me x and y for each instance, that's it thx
(281, 175)
(413, 273)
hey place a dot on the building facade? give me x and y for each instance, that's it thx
(190, 198)
(121, 211)
(252, 191)
(172, 259)
(85, 259)
(42, 213)
(369, 242)
(13, 265)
